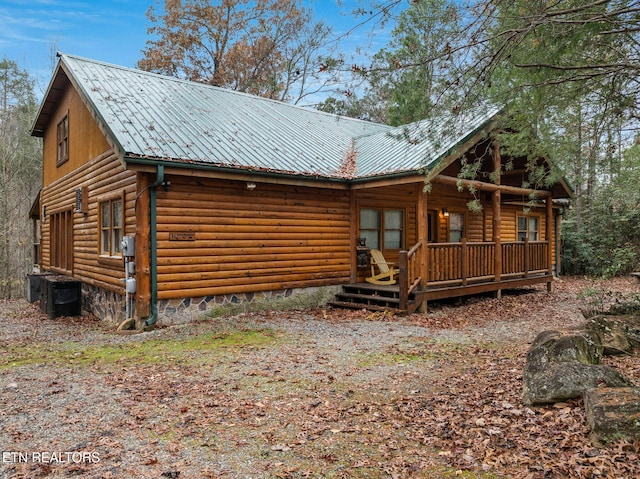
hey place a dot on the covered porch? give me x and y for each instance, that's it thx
(431, 270)
(454, 269)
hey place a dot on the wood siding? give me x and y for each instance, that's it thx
(102, 177)
(217, 237)
(86, 141)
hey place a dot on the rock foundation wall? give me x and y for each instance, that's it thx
(110, 307)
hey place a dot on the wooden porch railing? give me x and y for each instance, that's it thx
(524, 257)
(465, 261)
(409, 276)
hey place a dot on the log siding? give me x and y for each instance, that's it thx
(102, 176)
(216, 237)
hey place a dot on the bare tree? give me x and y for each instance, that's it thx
(20, 173)
(271, 48)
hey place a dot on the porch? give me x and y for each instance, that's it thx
(453, 269)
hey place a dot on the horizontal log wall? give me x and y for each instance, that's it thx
(443, 197)
(103, 176)
(216, 238)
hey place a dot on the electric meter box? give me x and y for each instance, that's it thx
(129, 246)
(131, 285)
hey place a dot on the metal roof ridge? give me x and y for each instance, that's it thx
(222, 90)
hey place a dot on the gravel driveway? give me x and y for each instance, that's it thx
(316, 393)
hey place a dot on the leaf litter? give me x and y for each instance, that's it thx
(317, 393)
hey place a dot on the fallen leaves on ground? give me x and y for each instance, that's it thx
(430, 406)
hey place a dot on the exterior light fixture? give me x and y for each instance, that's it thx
(251, 185)
(445, 212)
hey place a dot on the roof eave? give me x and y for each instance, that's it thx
(134, 162)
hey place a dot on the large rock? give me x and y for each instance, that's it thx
(555, 346)
(566, 380)
(564, 364)
(615, 332)
(613, 414)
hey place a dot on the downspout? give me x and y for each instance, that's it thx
(153, 246)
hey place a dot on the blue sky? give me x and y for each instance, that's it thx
(113, 31)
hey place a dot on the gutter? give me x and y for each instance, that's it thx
(153, 230)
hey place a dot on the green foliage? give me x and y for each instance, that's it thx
(607, 241)
(408, 72)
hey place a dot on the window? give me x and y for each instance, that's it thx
(111, 227)
(528, 227)
(61, 240)
(63, 141)
(456, 227)
(382, 228)
(370, 227)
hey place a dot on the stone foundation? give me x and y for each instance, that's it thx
(184, 310)
(110, 307)
(106, 305)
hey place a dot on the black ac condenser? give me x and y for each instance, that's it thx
(61, 296)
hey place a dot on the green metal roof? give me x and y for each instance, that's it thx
(157, 118)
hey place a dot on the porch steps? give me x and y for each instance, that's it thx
(372, 297)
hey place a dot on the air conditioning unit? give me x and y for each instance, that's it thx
(34, 285)
(61, 296)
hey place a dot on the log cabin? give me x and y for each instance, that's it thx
(166, 198)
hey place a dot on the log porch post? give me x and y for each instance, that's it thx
(353, 235)
(143, 267)
(549, 234)
(423, 236)
(497, 216)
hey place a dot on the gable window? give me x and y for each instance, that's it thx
(382, 228)
(456, 227)
(111, 226)
(63, 141)
(61, 240)
(528, 227)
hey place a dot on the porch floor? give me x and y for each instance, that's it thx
(386, 297)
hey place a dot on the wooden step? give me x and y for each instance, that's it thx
(369, 307)
(367, 298)
(372, 297)
(365, 288)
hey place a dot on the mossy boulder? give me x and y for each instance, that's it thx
(563, 364)
(613, 414)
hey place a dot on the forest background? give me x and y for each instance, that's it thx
(566, 72)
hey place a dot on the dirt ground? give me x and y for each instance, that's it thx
(318, 393)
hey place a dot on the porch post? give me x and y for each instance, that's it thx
(143, 235)
(497, 216)
(423, 236)
(549, 234)
(353, 232)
